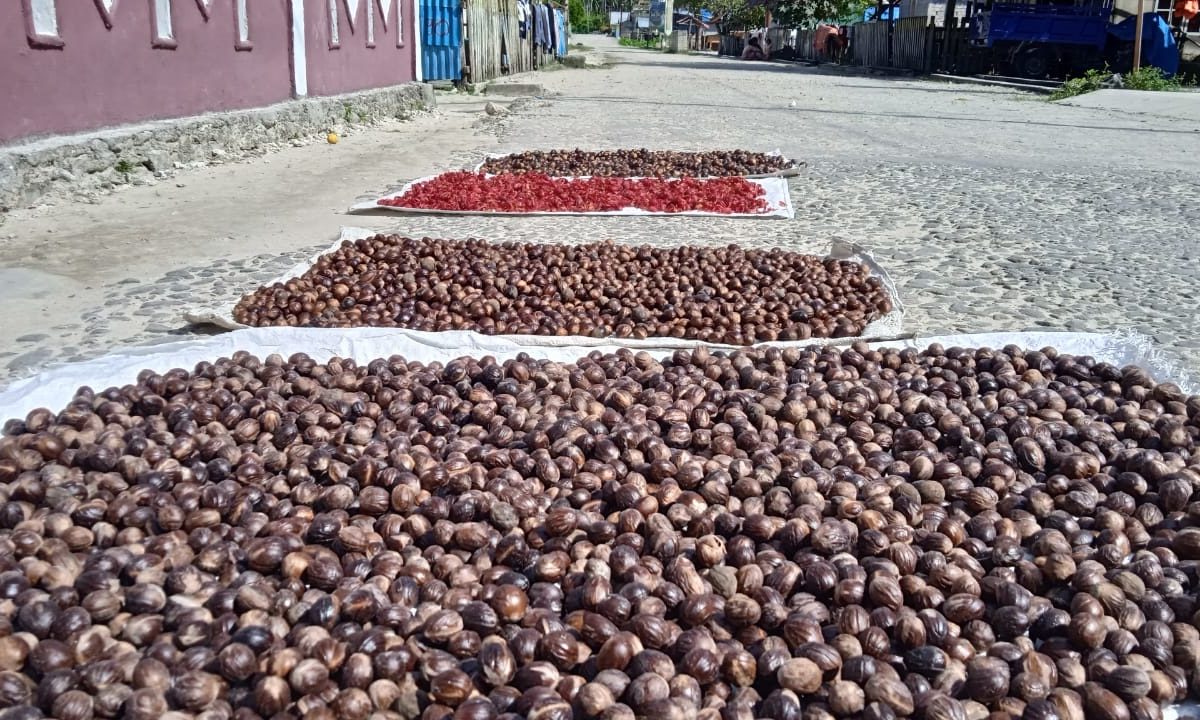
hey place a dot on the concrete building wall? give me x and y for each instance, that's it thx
(358, 44)
(74, 65)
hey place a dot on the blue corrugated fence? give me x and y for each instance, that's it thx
(441, 39)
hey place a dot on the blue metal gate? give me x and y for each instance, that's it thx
(441, 39)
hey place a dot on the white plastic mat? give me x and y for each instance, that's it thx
(778, 197)
(221, 314)
(793, 171)
(56, 387)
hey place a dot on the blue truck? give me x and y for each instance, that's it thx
(1035, 40)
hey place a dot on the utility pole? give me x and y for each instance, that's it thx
(668, 19)
(1137, 38)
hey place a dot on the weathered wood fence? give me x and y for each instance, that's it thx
(871, 44)
(919, 44)
(912, 44)
(492, 42)
(802, 41)
(805, 50)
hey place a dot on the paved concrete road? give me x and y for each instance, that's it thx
(994, 210)
(1182, 107)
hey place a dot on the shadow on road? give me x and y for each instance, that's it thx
(857, 113)
(958, 89)
(728, 64)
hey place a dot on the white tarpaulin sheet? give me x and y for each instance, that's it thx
(793, 171)
(778, 198)
(54, 388)
(890, 325)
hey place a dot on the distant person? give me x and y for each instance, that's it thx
(754, 49)
(835, 45)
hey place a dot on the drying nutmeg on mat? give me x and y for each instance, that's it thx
(638, 163)
(720, 294)
(799, 533)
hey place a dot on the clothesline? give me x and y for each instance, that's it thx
(547, 23)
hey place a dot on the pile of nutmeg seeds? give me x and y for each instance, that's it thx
(638, 163)
(795, 534)
(722, 294)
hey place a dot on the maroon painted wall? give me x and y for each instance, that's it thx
(93, 76)
(103, 76)
(353, 65)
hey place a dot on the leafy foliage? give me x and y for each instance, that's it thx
(734, 15)
(729, 15)
(1091, 81)
(803, 13)
(583, 21)
(1144, 78)
(1151, 78)
(647, 43)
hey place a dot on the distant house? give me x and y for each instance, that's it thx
(616, 18)
(701, 31)
(636, 25)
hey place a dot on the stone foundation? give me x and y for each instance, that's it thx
(139, 154)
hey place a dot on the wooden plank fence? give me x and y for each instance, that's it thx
(871, 44)
(482, 40)
(801, 40)
(805, 44)
(492, 42)
(912, 44)
(779, 37)
(919, 44)
(957, 54)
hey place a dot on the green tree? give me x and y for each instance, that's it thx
(583, 21)
(732, 15)
(729, 15)
(804, 13)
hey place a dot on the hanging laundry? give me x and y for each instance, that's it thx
(539, 27)
(560, 26)
(544, 26)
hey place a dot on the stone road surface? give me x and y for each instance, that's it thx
(994, 210)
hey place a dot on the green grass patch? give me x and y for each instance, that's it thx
(1151, 78)
(1146, 78)
(1091, 81)
(648, 44)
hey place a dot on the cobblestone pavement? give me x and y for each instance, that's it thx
(993, 210)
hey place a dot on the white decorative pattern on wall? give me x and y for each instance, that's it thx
(41, 24)
(41, 21)
(335, 40)
(242, 18)
(106, 8)
(164, 30)
(45, 17)
(299, 50)
(352, 17)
